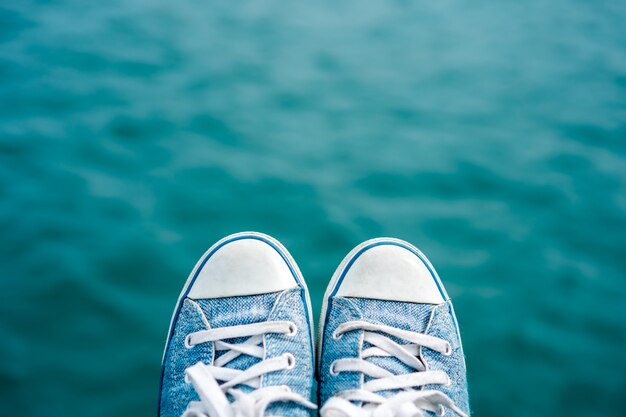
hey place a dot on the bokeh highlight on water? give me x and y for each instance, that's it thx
(490, 134)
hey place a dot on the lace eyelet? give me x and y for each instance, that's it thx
(442, 411)
(332, 370)
(448, 383)
(293, 330)
(448, 350)
(188, 344)
(337, 336)
(291, 361)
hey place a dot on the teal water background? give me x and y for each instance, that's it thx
(134, 134)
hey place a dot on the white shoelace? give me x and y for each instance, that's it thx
(410, 402)
(213, 395)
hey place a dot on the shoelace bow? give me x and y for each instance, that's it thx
(214, 401)
(407, 403)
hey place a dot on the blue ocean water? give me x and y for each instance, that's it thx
(492, 135)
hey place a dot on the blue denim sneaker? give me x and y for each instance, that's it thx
(240, 341)
(389, 340)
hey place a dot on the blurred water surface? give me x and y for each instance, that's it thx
(133, 134)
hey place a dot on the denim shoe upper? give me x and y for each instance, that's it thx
(199, 315)
(435, 320)
(430, 319)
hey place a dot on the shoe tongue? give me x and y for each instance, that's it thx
(233, 311)
(401, 315)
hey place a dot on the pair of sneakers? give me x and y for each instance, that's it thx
(241, 344)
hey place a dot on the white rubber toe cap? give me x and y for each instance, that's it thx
(391, 272)
(246, 266)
